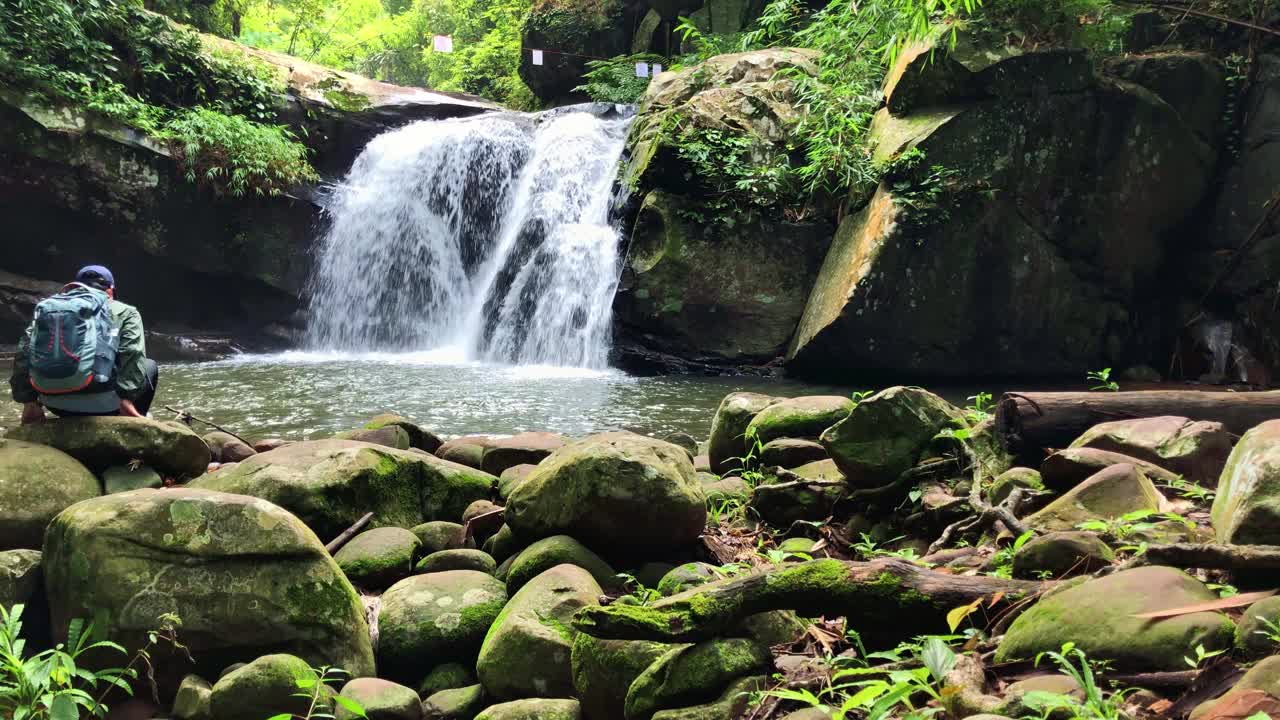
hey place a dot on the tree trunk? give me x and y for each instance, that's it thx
(1032, 421)
(885, 600)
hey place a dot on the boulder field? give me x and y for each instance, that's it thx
(886, 538)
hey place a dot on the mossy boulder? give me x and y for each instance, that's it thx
(439, 535)
(484, 518)
(886, 434)
(732, 704)
(1195, 449)
(467, 450)
(381, 700)
(194, 698)
(557, 550)
(1011, 479)
(1069, 467)
(1111, 493)
(533, 709)
(245, 577)
(377, 559)
(464, 559)
(791, 452)
(1247, 507)
(617, 490)
(801, 417)
(727, 442)
(527, 448)
(263, 688)
(227, 448)
(419, 437)
(781, 504)
(100, 442)
(331, 483)
(505, 544)
(1098, 616)
(20, 576)
(693, 674)
(603, 671)
(1062, 553)
(730, 488)
(123, 478)
(449, 676)
(392, 436)
(687, 576)
(527, 650)
(434, 618)
(1252, 634)
(511, 477)
(36, 483)
(458, 704)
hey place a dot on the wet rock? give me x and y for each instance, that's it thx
(1253, 634)
(1011, 479)
(1111, 493)
(1247, 507)
(270, 444)
(557, 550)
(193, 699)
(1197, 450)
(1062, 553)
(1097, 616)
(476, 560)
(511, 477)
(731, 705)
(460, 704)
(730, 488)
(36, 483)
(527, 651)
(467, 450)
(527, 448)
(245, 576)
(227, 448)
(693, 674)
(684, 440)
(263, 688)
(687, 576)
(20, 576)
(381, 700)
(533, 709)
(439, 535)
(617, 490)
(484, 519)
(1068, 468)
(790, 453)
(332, 483)
(392, 436)
(419, 437)
(802, 417)
(434, 618)
(123, 478)
(377, 559)
(886, 434)
(449, 676)
(603, 671)
(100, 442)
(729, 427)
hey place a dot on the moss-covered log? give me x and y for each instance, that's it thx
(885, 599)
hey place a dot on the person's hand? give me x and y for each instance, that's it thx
(128, 410)
(32, 413)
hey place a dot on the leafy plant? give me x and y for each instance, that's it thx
(1271, 629)
(725, 510)
(1131, 523)
(1191, 490)
(1201, 656)
(614, 80)
(1096, 704)
(235, 156)
(1002, 561)
(1103, 379)
(980, 408)
(317, 692)
(640, 594)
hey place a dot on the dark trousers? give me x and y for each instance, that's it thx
(145, 398)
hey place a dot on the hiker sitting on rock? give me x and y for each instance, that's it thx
(84, 354)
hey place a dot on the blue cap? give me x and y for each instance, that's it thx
(96, 275)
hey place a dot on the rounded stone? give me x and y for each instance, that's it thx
(556, 550)
(464, 559)
(377, 559)
(380, 700)
(36, 483)
(434, 618)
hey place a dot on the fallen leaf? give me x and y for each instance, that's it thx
(995, 599)
(1223, 604)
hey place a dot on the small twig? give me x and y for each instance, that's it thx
(187, 417)
(1201, 13)
(347, 534)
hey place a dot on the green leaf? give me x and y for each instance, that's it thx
(938, 657)
(63, 707)
(350, 705)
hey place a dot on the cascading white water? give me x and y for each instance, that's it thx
(490, 235)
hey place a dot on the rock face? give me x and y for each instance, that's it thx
(885, 434)
(1068, 468)
(100, 442)
(20, 576)
(433, 618)
(729, 427)
(36, 483)
(711, 291)
(527, 651)
(1108, 495)
(616, 490)
(1247, 507)
(1052, 140)
(244, 576)
(1098, 617)
(1195, 450)
(331, 483)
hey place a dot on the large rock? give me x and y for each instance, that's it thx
(1110, 494)
(802, 417)
(1069, 467)
(36, 483)
(603, 671)
(617, 490)
(456, 704)
(392, 436)
(20, 576)
(1197, 450)
(376, 559)
(527, 448)
(732, 704)
(550, 552)
(1062, 553)
(244, 576)
(438, 617)
(1052, 140)
(1247, 507)
(533, 709)
(886, 433)
(419, 437)
(381, 700)
(729, 428)
(332, 483)
(790, 452)
(1098, 616)
(693, 674)
(227, 448)
(100, 442)
(263, 688)
(1261, 678)
(527, 651)
(1254, 630)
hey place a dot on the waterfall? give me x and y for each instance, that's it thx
(489, 235)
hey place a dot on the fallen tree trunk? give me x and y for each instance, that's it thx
(885, 600)
(1212, 556)
(1027, 422)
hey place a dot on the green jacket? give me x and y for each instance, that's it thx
(131, 376)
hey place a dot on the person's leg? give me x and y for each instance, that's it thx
(148, 396)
